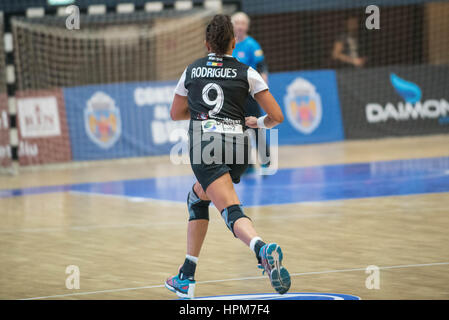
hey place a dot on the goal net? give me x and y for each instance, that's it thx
(102, 91)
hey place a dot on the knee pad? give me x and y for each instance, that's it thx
(198, 209)
(231, 214)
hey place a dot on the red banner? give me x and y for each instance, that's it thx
(42, 127)
(5, 148)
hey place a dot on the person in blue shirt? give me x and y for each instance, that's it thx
(248, 51)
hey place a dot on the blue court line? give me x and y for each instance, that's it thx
(289, 185)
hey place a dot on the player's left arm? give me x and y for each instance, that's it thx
(180, 106)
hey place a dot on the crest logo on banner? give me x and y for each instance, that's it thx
(102, 120)
(303, 106)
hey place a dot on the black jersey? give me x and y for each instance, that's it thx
(217, 87)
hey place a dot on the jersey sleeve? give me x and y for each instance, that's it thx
(256, 82)
(180, 87)
(258, 55)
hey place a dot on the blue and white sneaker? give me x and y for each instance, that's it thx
(271, 261)
(183, 288)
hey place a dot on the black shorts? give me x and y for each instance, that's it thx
(236, 163)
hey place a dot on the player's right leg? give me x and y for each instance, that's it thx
(271, 261)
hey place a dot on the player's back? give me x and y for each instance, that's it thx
(217, 88)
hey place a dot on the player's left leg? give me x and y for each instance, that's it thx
(183, 284)
(199, 219)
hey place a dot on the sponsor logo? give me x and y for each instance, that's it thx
(303, 106)
(221, 127)
(214, 58)
(209, 126)
(287, 296)
(38, 117)
(412, 108)
(258, 53)
(409, 91)
(241, 54)
(102, 120)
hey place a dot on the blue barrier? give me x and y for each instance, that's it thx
(120, 120)
(309, 100)
(133, 119)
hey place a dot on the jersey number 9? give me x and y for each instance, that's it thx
(217, 103)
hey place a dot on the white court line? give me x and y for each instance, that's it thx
(242, 279)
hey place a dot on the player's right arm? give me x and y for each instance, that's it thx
(274, 113)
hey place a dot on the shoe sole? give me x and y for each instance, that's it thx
(279, 277)
(178, 293)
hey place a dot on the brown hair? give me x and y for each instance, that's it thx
(219, 33)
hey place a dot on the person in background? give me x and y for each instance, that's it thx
(346, 48)
(248, 51)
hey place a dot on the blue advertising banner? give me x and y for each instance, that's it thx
(121, 120)
(310, 102)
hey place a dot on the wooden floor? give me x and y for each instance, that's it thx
(126, 249)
